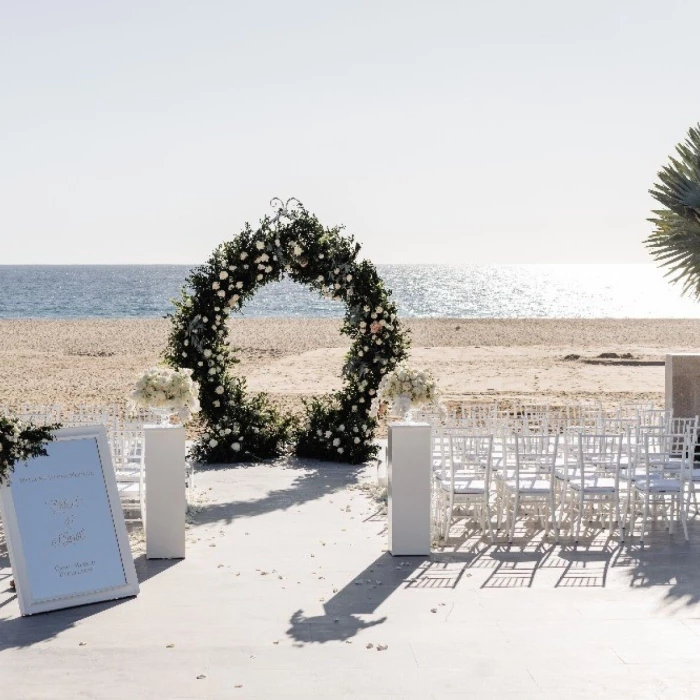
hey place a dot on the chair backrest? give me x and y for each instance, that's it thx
(470, 457)
(667, 454)
(599, 456)
(656, 417)
(531, 455)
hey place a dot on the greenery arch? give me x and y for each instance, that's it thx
(240, 426)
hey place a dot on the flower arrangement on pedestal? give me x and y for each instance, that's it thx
(167, 391)
(238, 426)
(20, 441)
(404, 389)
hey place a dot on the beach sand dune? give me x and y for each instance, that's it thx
(96, 361)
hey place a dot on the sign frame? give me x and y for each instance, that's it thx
(18, 561)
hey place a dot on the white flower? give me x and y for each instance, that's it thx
(298, 250)
(259, 245)
(236, 447)
(341, 428)
(213, 442)
(319, 278)
(259, 277)
(336, 442)
(277, 242)
(221, 293)
(357, 440)
(215, 285)
(328, 433)
(239, 285)
(223, 275)
(348, 278)
(244, 255)
(207, 352)
(219, 389)
(340, 450)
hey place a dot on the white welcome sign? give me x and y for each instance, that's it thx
(65, 527)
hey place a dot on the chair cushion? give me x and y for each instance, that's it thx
(529, 485)
(594, 485)
(658, 485)
(465, 486)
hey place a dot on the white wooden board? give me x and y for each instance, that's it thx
(65, 527)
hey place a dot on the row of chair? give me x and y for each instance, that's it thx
(560, 479)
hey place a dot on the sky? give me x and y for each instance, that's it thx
(497, 131)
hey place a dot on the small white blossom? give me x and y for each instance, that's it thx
(223, 275)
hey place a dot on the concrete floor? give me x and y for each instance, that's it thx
(287, 590)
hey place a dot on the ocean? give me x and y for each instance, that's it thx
(435, 291)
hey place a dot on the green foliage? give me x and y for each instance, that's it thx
(675, 241)
(21, 441)
(238, 426)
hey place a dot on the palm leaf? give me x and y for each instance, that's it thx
(675, 241)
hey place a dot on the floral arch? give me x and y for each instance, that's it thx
(238, 425)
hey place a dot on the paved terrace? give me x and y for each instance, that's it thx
(287, 590)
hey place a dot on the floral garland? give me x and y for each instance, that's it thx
(20, 442)
(238, 426)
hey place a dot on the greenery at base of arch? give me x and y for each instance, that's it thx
(242, 426)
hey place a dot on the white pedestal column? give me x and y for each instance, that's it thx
(683, 384)
(409, 488)
(166, 501)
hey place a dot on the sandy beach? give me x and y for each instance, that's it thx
(95, 361)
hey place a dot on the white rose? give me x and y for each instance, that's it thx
(223, 275)
(356, 440)
(298, 250)
(328, 433)
(239, 285)
(207, 353)
(219, 390)
(340, 450)
(215, 285)
(259, 245)
(244, 255)
(236, 447)
(336, 442)
(213, 442)
(277, 242)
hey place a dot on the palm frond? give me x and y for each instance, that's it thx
(675, 241)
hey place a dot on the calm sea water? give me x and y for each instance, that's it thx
(499, 291)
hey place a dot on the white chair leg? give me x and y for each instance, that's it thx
(683, 514)
(516, 505)
(644, 516)
(488, 519)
